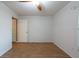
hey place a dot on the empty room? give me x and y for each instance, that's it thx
(39, 29)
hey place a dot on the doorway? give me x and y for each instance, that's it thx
(14, 29)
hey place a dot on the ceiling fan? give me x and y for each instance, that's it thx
(36, 4)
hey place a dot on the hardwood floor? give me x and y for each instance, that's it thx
(35, 50)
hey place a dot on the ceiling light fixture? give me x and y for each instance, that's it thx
(37, 4)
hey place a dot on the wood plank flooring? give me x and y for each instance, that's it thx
(35, 50)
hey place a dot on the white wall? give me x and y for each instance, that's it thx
(5, 28)
(39, 28)
(64, 27)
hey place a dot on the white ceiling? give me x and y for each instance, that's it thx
(28, 9)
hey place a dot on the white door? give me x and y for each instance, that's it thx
(22, 31)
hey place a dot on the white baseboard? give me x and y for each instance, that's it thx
(62, 48)
(6, 51)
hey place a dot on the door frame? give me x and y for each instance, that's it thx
(14, 18)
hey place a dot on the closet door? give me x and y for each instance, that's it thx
(22, 31)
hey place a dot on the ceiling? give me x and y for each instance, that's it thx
(28, 9)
